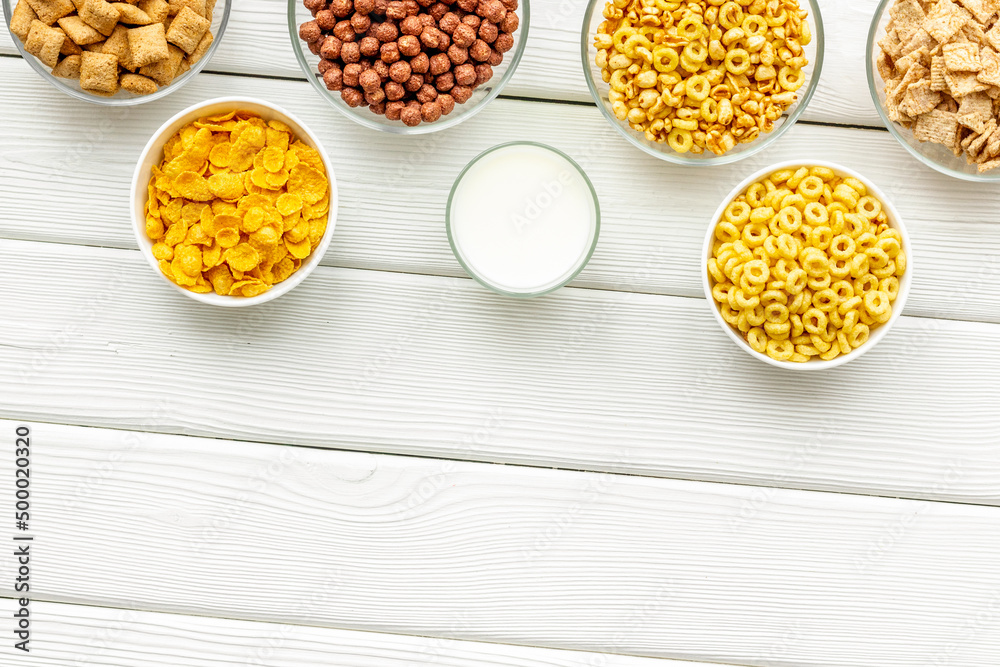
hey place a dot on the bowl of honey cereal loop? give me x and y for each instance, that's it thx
(706, 81)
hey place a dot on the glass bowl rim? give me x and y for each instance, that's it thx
(163, 91)
(905, 283)
(586, 257)
(444, 123)
(765, 141)
(988, 177)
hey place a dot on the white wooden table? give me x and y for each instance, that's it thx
(316, 481)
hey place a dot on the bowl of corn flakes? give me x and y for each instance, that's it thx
(702, 82)
(806, 265)
(934, 75)
(117, 53)
(234, 202)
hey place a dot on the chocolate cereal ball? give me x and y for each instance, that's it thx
(394, 109)
(369, 80)
(369, 46)
(409, 46)
(326, 19)
(334, 78)
(465, 75)
(488, 32)
(430, 112)
(352, 97)
(446, 102)
(400, 71)
(310, 32)
(410, 116)
(463, 36)
(394, 91)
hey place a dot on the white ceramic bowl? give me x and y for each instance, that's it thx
(152, 154)
(877, 334)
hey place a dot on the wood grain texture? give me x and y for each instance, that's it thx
(601, 563)
(428, 365)
(393, 190)
(69, 634)
(257, 42)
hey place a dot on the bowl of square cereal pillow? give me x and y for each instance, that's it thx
(934, 74)
(117, 53)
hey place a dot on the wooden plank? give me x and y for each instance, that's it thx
(601, 563)
(394, 189)
(65, 634)
(441, 367)
(257, 42)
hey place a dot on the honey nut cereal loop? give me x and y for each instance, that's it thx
(702, 75)
(805, 265)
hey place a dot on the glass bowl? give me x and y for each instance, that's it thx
(481, 96)
(933, 155)
(220, 19)
(592, 19)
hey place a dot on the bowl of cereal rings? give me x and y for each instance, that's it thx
(807, 265)
(234, 202)
(702, 82)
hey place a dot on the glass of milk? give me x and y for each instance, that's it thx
(523, 219)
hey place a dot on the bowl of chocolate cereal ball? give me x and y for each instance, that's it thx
(408, 66)
(702, 82)
(934, 76)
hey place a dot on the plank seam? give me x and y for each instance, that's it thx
(515, 464)
(71, 602)
(459, 276)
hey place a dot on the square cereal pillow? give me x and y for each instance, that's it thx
(131, 14)
(99, 72)
(68, 68)
(166, 70)
(50, 11)
(99, 15)
(148, 44)
(117, 45)
(187, 29)
(157, 10)
(78, 31)
(21, 18)
(198, 6)
(44, 42)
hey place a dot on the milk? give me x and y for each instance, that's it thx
(523, 219)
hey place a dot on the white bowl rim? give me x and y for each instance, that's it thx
(140, 182)
(877, 334)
